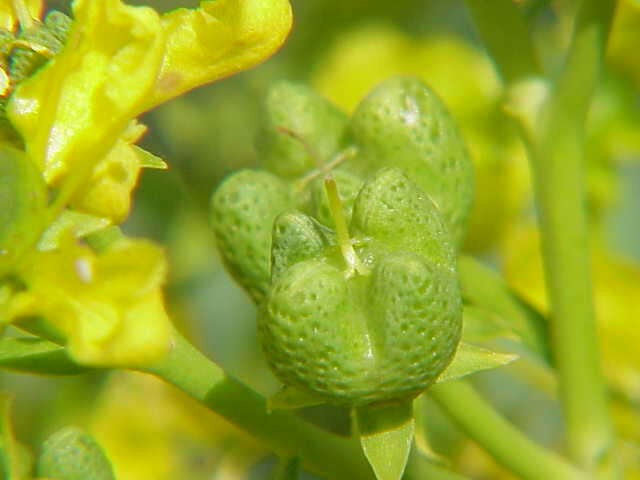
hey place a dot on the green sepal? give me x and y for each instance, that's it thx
(15, 459)
(72, 454)
(292, 397)
(104, 239)
(36, 356)
(80, 224)
(386, 435)
(471, 359)
(148, 159)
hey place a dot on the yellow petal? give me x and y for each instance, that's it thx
(109, 306)
(73, 110)
(218, 39)
(108, 191)
(8, 18)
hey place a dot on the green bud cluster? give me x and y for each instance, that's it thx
(346, 241)
(23, 52)
(33, 47)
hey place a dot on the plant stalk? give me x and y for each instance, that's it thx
(557, 162)
(507, 445)
(504, 32)
(287, 434)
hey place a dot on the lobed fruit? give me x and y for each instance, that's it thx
(303, 130)
(243, 210)
(363, 338)
(403, 123)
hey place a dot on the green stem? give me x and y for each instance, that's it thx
(557, 160)
(421, 468)
(504, 32)
(288, 435)
(507, 445)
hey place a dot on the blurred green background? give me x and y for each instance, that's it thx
(343, 48)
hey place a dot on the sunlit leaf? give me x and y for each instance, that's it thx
(386, 434)
(37, 356)
(471, 359)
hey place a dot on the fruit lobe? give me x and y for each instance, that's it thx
(361, 339)
(243, 209)
(402, 123)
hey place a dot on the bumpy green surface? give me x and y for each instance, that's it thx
(374, 337)
(71, 454)
(320, 128)
(383, 329)
(403, 123)
(243, 209)
(52, 35)
(22, 199)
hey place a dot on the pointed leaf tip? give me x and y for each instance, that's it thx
(471, 359)
(386, 435)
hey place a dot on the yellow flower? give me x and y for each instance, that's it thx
(73, 110)
(108, 192)
(109, 307)
(121, 60)
(76, 116)
(220, 38)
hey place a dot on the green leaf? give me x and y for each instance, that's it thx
(480, 325)
(81, 224)
(36, 355)
(15, 460)
(484, 288)
(471, 359)
(148, 159)
(72, 454)
(386, 435)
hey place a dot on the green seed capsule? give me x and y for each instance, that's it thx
(71, 454)
(403, 123)
(361, 335)
(397, 213)
(243, 209)
(303, 130)
(23, 198)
